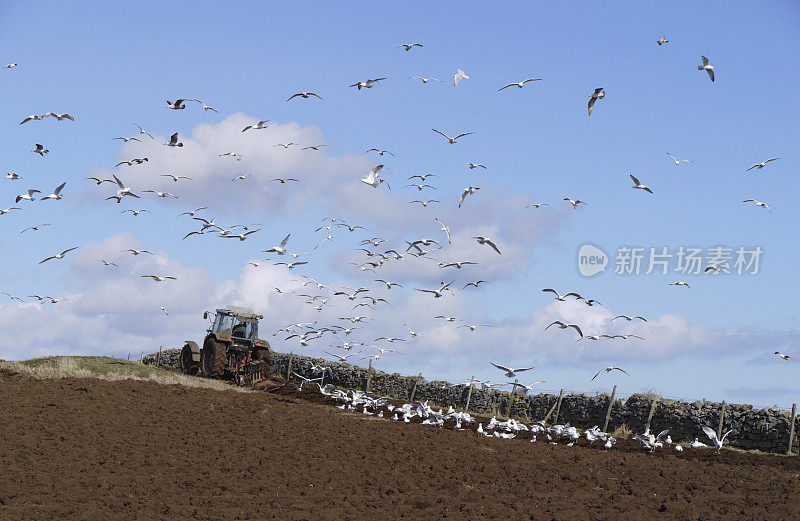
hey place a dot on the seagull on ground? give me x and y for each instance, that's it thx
(713, 436)
(762, 165)
(452, 140)
(58, 256)
(679, 161)
(488, 242)
(640, 186)
(519, 84)
(510, 372)
(457, 77)
(608, 370)
(599, 93)
(707, 67)
(40, 150)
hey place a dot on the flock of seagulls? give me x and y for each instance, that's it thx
(379, 252)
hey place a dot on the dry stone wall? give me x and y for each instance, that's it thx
(762, 429)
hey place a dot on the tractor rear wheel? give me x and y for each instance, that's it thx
(187, 363)
(215, 358)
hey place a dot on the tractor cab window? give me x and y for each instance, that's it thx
(244, 329)
(224, 324)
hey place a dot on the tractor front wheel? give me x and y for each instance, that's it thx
(215, 358)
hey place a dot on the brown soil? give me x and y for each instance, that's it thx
(92, 449)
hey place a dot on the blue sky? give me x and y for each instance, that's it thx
(111, 66)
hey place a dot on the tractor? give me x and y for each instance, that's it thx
(231, 348)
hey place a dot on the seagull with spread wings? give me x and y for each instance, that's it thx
(58, 256)
(452, 140)
(510, 371)
(519, 84)
(608, 370)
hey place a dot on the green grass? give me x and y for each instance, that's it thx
(107, 368)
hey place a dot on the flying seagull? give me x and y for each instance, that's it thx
(679, 283)
(409, 46)
(598, 93)
(445, 229)
(679, 161)
(368, 84)
(608, 370)
(176, 177)
(177, 105)
(470, 190)
(381, 152)
(56, 193)
(626, 317)
(783, 356)
(662, 40)
(562, 325)
(707, 67)
(373, 178)
(34, 228)
(762, 165)
(519, 84)
(281, 248)
(758, 203)
(58, 256)
(637, 184)
(59, 117)
(460, 75)
(205, 107)
(126, 139)
(452, 140)
(575, 202)
(424, 80)
(562, 298)
(173, 141)
(40, 150)
(258, 126)
(28, 196)
(488, 242)
(159, 278)
(510, 371)
(143, 131)
(304, 95)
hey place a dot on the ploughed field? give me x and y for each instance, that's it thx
(94, 449)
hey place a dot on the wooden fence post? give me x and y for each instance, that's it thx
(721, 419)
(414, 390)
(369, 377)
(289, 367)
(141, 358)
(558, 409)
(158, 359)
(791, 429)
(650, 416)
(558, 402)
(469, 394)
(129, 357)
(608, 412)
(511, 399)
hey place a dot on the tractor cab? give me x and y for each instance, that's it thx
(236, 323)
